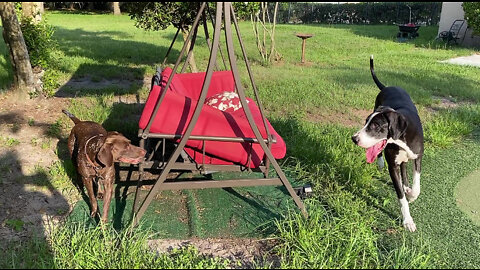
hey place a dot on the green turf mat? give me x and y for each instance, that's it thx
(229, 212)
(241, 212)
(167, 215)
(467, 193)
(439, 220)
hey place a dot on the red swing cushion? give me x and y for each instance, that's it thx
(177, 109)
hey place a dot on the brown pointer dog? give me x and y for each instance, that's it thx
(93, 151)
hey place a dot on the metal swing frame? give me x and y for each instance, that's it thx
(224, 13)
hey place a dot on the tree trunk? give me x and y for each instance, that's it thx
(33, 10)
(12, 34)
(273, 51)
(191, 61)
(115, 8)
(40, 7)
(262, 18)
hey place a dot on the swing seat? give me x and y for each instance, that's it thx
(177, 109)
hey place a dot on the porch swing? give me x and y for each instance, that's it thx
(210, 136)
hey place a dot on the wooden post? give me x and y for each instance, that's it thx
(304, 41)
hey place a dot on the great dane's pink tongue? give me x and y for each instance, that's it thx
(373, 151)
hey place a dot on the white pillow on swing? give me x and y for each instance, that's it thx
(226, 101)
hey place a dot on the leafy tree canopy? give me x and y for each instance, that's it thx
(159, 15)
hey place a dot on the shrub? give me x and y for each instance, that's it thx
(50, 82)
(39, 40)
(41, 45)
(472, 15)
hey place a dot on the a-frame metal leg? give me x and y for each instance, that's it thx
(193, 121)
(140, 178)
(241, 92)
(248, 113)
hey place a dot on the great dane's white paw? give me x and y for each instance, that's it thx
(411, 194)
(409, 225)
(411, 197)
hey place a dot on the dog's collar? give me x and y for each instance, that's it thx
(92, 164)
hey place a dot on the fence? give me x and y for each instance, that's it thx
(426, 13)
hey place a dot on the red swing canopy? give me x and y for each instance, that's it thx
(178, 106)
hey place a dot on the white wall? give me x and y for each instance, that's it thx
(451, 11)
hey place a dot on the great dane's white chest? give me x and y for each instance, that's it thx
(405, 153)
(401, 157)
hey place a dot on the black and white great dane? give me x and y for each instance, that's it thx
(395, 128)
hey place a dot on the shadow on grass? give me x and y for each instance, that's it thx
(426, 39)
(81, 11)
(422, 85)
(27, 201)
(90, 85)
(113, 65)
(108, 46)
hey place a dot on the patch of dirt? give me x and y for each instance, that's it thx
(305, 64)
(279, 63)
(347, 118)
(445, 103)
(29, 144)
(87, 83)
(249, 252)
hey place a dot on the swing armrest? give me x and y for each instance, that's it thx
(157, 78)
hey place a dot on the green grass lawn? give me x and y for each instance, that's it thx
(355, 219)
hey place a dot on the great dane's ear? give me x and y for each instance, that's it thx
(105, 155)
(383, 109)
(397, 124)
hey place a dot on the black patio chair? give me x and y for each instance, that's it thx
(454, 33)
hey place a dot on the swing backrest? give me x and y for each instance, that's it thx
(190, 84)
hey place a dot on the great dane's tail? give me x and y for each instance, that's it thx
(73, 117)
(375, 79)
